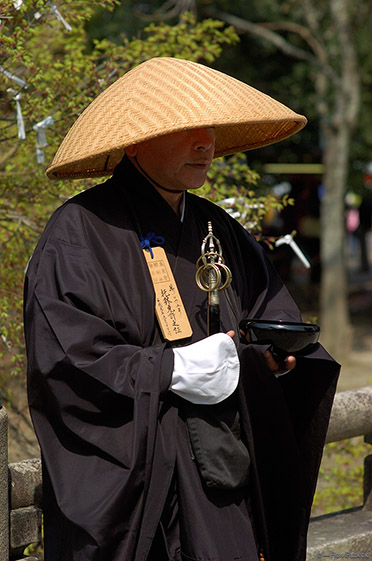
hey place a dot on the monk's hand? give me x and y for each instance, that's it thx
(289, 363)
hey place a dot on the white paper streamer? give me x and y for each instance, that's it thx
(56, 12)
(6, 342)
(288, 240)
(20, 123)
(110, 75)
(41, 140)
(13, 77)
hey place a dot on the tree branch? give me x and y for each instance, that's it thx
(8, 155)
(317, 48)
(168, 10)
(263, 32)
(14, 216)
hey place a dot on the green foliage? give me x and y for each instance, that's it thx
(198, 42)
(37, 48)
(35, 551)
(340, 483)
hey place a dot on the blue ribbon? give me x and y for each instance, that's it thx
(151, 238)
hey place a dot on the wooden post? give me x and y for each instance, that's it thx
(367, 478)
(4, 505)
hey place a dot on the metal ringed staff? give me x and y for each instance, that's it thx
(209, 277)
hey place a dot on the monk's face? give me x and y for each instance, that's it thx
(177, 161)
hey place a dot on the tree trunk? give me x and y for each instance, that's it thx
(337, 126)
(336, 330)
(337, 81)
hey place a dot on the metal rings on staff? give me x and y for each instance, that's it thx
(209, 278)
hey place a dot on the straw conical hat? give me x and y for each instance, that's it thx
(165, 95)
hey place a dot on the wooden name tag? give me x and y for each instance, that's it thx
(169, 308)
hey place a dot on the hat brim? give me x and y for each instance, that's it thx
(162, 96)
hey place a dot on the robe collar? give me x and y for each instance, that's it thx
(150, 211)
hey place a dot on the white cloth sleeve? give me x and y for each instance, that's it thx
(206, 372)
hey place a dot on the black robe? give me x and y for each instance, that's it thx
(112, 437)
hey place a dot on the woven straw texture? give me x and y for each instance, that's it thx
(165, 95)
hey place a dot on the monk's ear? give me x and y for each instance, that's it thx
(131, 150)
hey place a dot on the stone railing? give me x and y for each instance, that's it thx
(20, 501)
(345, 535)
(25, 506)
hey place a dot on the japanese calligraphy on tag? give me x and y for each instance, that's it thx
(169, 308)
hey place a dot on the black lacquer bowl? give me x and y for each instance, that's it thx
(286, 337)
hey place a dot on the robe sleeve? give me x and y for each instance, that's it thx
(95, 389)
(286, 421)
